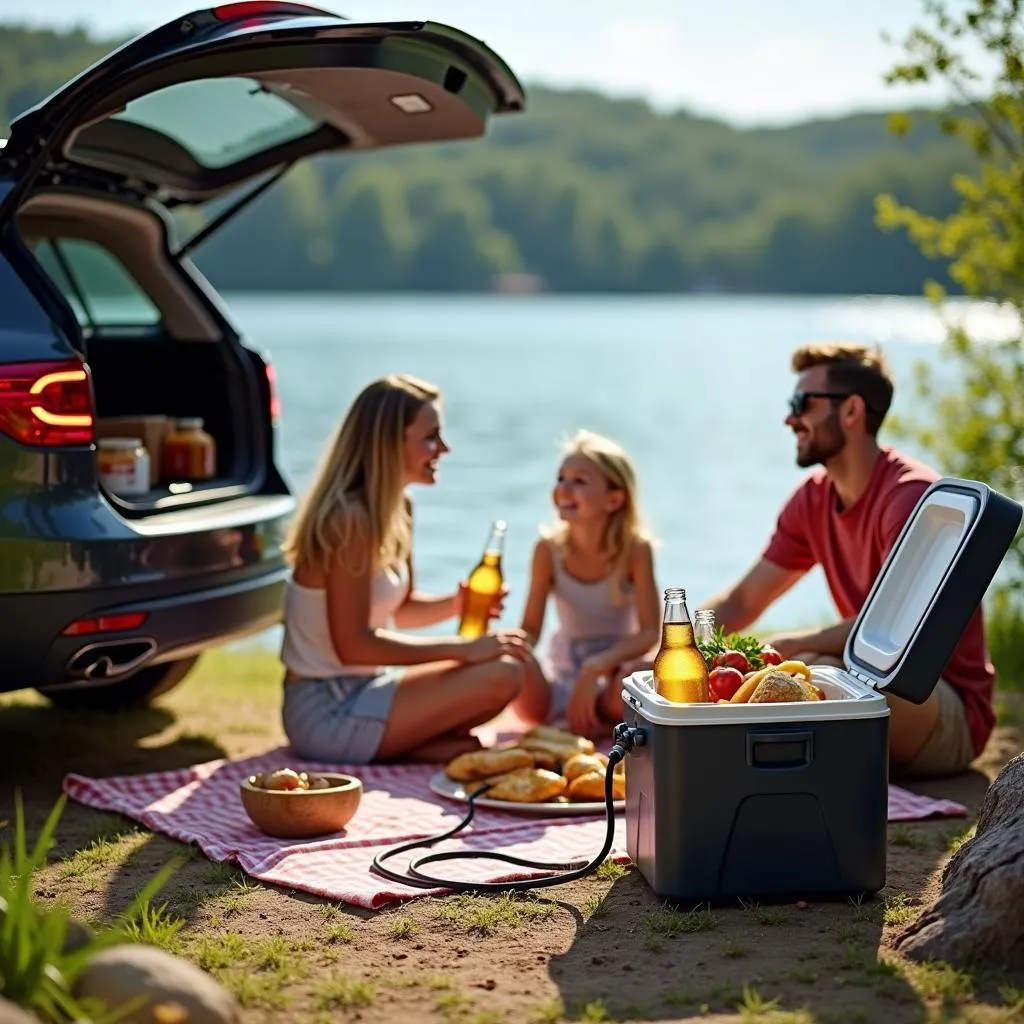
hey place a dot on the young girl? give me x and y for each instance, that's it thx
(598, 566)
(356, 689)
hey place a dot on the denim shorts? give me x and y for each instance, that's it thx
(563, 679)
(341, 719)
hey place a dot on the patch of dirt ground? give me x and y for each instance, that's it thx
(599, 949)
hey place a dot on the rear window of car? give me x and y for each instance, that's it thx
(220, 121)
(96, 284)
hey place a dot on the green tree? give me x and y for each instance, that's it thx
(976, 425)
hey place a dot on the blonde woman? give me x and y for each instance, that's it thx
(597, 565)
(358, 689)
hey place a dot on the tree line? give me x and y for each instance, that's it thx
(582, 193)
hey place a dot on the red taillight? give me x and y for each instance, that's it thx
(106, 624)
(261, 8)
(47, 404)
(275, 401)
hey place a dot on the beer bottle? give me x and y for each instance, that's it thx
(704, 625)
(680, 674)
(484, 585)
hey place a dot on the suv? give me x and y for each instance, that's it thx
(105, 322)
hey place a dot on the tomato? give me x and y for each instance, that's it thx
(732, 659)
(724, 681)
(770, 655)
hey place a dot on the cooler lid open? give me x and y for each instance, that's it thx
(930, 586)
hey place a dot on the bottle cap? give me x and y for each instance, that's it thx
(191, 423)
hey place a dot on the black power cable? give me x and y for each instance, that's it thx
(626, 738)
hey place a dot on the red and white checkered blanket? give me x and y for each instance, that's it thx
(201, 805)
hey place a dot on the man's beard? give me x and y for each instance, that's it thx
(825, 443)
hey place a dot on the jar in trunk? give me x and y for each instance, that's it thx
(189, 452)
(123, 464)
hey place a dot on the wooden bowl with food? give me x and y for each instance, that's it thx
(298, 805)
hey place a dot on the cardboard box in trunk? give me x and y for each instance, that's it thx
(150, 429)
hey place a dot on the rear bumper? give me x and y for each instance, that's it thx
(177, 625)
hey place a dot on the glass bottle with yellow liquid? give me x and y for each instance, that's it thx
(680, 673)
(484, 585)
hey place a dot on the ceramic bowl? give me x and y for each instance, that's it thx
(303, 814)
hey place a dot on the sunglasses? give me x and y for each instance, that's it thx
(798, 400)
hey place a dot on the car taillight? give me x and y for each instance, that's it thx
(275, 400)
(261, 8)
(48, 404)
(105, 624)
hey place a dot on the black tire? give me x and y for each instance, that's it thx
(123, 694)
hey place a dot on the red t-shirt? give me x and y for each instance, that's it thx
(851, 545)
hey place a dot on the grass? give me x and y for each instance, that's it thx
(954, 840)
(902, 835)
(611, 871)
(549, 1012)
(342, 992)
(899, 910)
(483, 915)
(668, 922)
(401, 928)
(155, 927)
(305, 961)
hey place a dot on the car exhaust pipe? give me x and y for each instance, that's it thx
(111, 659)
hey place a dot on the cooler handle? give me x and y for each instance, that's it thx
(780, 751)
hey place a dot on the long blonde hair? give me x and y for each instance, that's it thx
(626, 524)
(356, 502)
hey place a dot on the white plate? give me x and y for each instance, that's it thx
(443, 786)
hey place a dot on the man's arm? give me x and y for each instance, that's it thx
(825, 640)
(743, 603)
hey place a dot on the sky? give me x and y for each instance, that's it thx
(746, 61)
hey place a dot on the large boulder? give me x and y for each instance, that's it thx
(12, 1013)
(175, 990)
(977, 917)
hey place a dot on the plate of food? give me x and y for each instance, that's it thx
(547, 773)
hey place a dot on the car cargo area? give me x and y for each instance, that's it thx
(158, 349)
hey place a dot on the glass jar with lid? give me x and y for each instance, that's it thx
(189, 452)
(123, 465)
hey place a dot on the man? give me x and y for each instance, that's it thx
(845, 517)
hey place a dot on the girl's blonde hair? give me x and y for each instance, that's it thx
(626, 524)
(356, 506)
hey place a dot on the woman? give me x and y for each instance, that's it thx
(356, 688)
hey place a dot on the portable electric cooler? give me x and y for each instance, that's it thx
(789, 800)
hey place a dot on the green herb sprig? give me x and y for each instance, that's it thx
(748, 646)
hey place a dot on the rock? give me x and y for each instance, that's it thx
(12, 1013)
(78, 935)
(977, 918)
(177, 991)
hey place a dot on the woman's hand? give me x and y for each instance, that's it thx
(511, 642)
(582, 715)
(495, 610)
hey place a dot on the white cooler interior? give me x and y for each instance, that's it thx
(903, 598)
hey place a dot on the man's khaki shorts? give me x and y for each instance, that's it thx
(949, 749)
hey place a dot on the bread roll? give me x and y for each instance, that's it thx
(589, 787)
(527, 786)
(483, 764)
(580, 764)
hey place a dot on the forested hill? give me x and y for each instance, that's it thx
(582, 192)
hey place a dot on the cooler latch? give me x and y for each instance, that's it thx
(861, 677)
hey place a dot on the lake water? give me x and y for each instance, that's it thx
(694, 387)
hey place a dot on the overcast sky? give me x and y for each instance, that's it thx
(749, 61)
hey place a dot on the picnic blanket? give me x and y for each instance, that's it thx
(200, 805)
